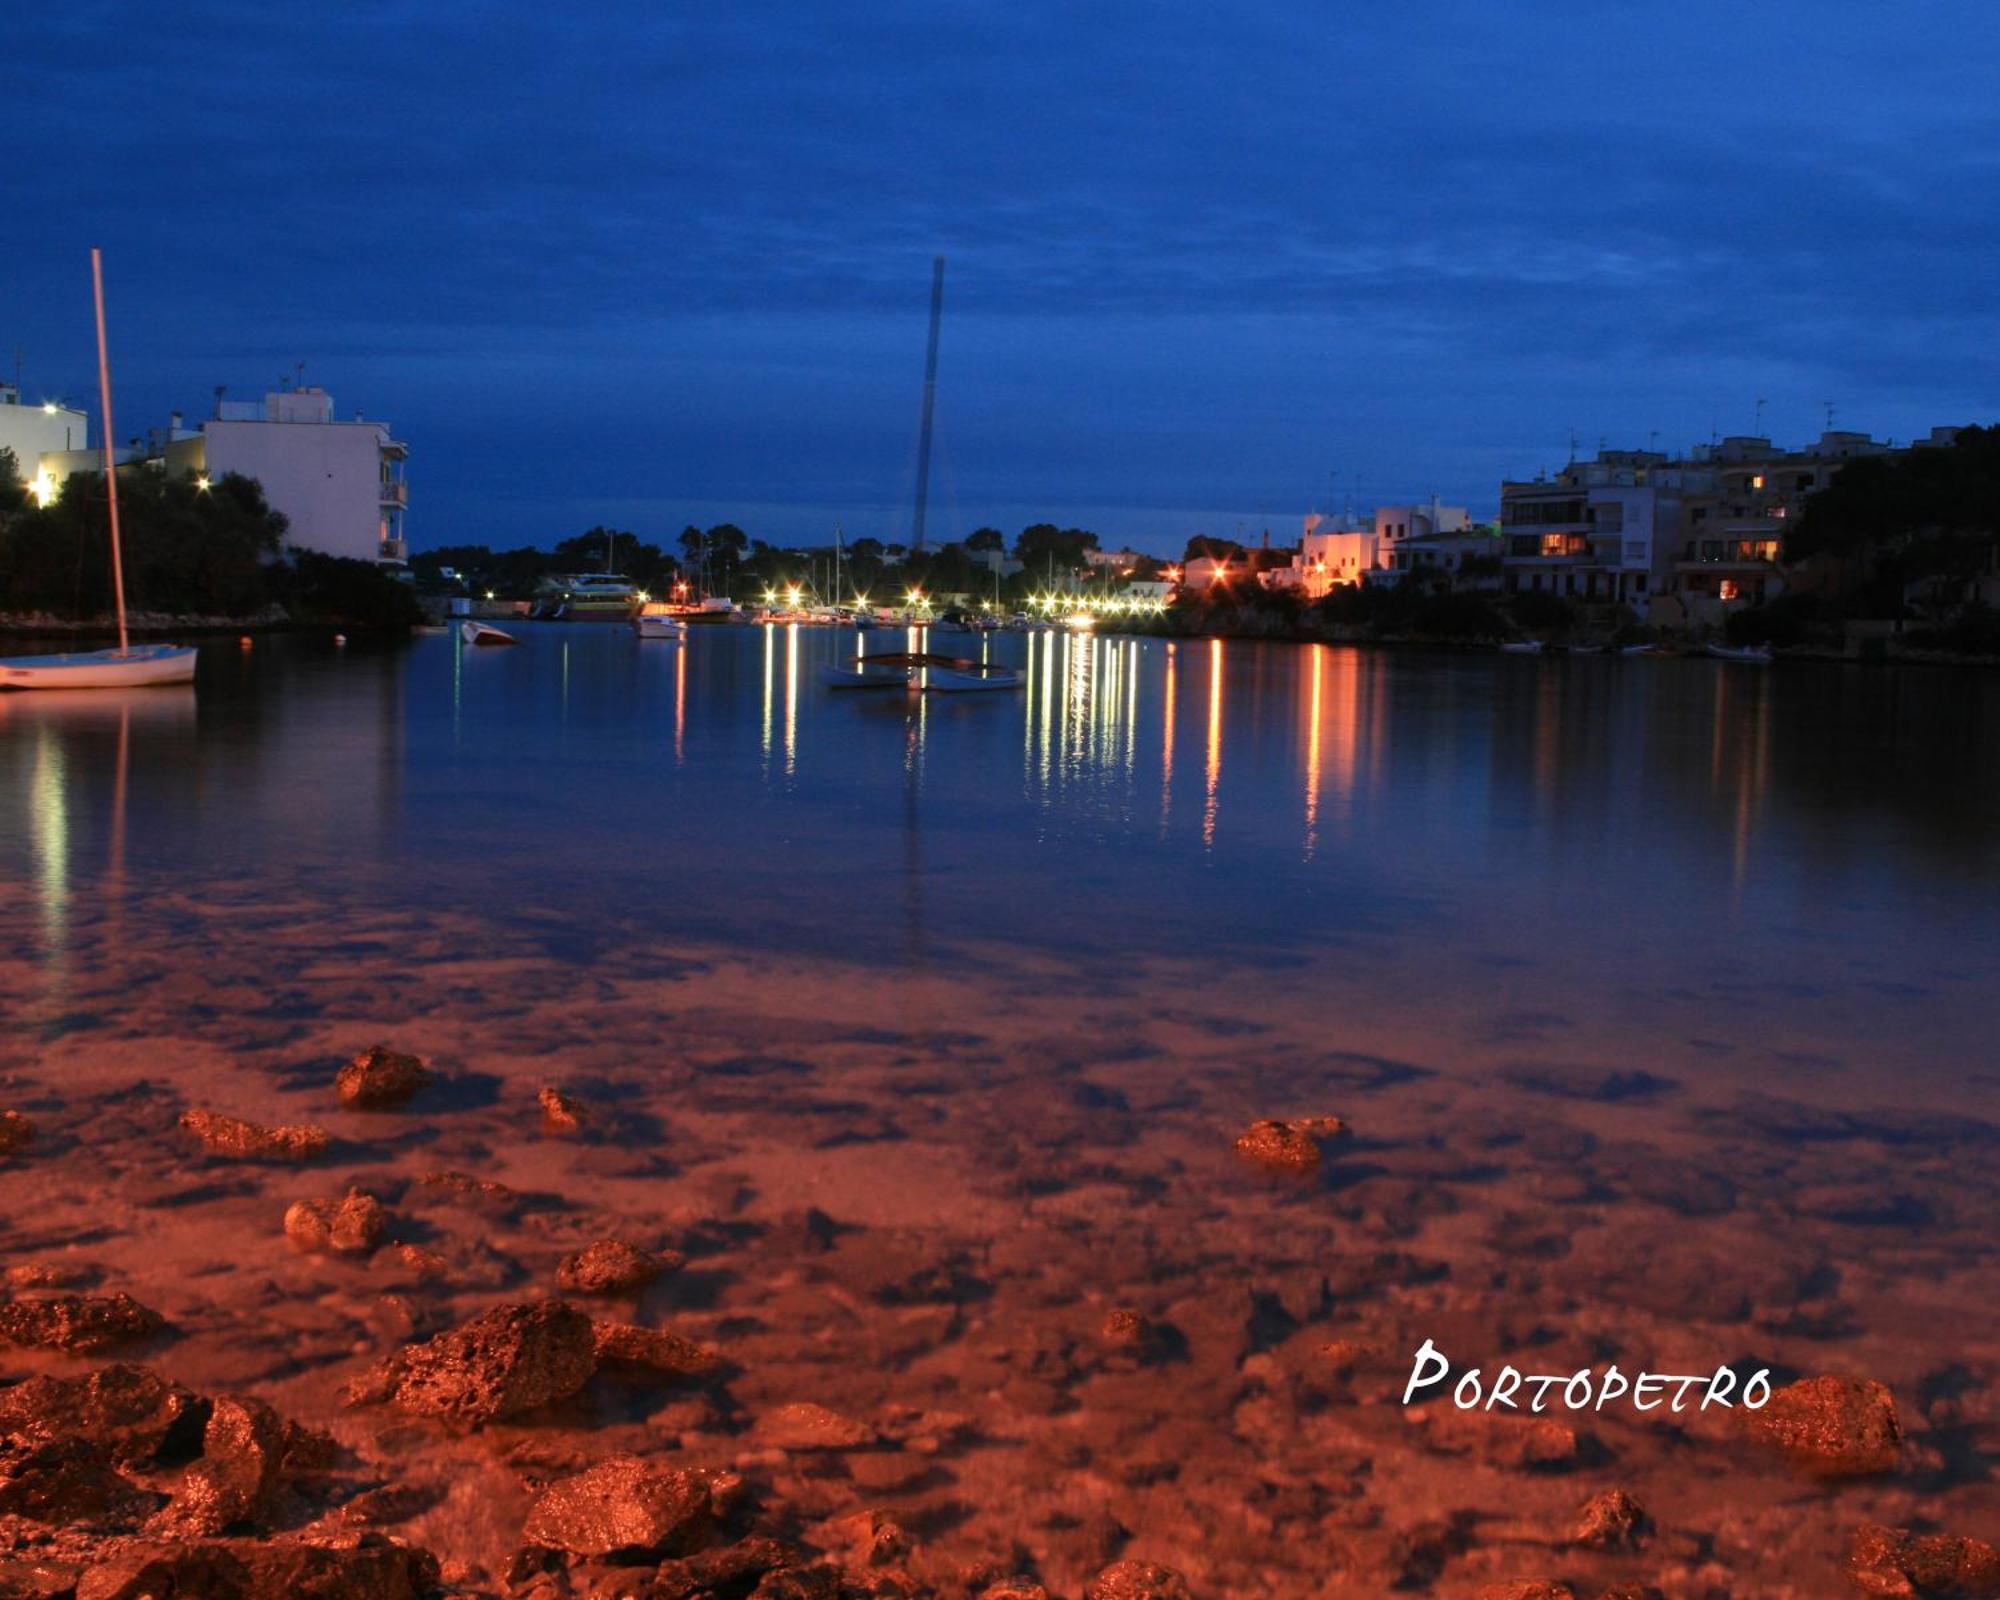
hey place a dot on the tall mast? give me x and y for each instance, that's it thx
(930, 401)
(110, 457)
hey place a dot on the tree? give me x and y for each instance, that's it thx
(986, 539)
(1203, 545)
(1043, 547)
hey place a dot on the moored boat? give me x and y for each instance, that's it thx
(480, 633)
(649, 626)
(135, 667)
(1523, 647)
(866, 672)
(1752, 652)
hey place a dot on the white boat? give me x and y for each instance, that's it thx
(1753, 652)
(480, 633)
(659, 627)
(1636, 650)
(1523, 647)
(141, 666)
(865, 672)
(129, 666)
(968, 677)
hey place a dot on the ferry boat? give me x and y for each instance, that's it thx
(587, 597)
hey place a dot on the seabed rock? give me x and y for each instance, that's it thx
(623, 1506)
(1831, 1427)
(623, 1344)
(1293, 1146)
(561, 1113)
(1896, 1564)
(380, 1079)
(611, 1266)
(16, 1132)
(805, 1426)
(503, 1362)
(131, 1412)
(1611, 1521)
(252, 1141)
(352, 1226)
(357, 1567)
(84, 1323)
(239, 1473)
(1136, 1580)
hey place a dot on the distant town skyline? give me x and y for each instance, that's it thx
(1205, 274)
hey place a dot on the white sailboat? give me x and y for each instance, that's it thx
(129, 666)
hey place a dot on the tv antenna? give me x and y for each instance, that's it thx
(1759, 428)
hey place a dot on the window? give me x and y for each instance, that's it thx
(1757, 480)
(1635, 550)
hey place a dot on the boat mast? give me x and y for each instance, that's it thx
(930, 403)
(110, 458)
(836, 563)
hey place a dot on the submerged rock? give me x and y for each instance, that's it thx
(1831, 1427)
(561, 1113)
(380, 1079)
(623, 1506)
(364, 1567)
(1611, 1521)
(239, 1473)
(1293, 1146)
(1014, 1589)
(64, 1482)
(16, 1132)
(352, 1226)
(503, 1362)
(84, 1323)
(1136, 1580)
(252, 1141)
(611, 1266)
(1896, 1564)
(627, 1345)
(1527, 1589)
(805, 1426)
(132, 1412)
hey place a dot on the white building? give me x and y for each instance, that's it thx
(35, 431)
(339, 484)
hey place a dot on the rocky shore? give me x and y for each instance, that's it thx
(801, 1306)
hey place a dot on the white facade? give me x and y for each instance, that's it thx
(35, 431)
(339, 484)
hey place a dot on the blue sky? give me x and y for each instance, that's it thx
(1209, 266)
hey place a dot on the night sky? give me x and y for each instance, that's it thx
(659, 263)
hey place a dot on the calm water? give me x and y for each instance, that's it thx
(1765, 854)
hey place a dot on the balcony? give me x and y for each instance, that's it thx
(394, 550)
(396, 495)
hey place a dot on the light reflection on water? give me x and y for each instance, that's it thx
(1622, 826)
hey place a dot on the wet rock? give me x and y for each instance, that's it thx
(50, 1275)
(1611, 1521)
(1418, 1555)
(85, 1323)
(1125, 1329)
(239, 1473)
(64, 1482)
(416, 1259)
(133, 1413)
(624, 1506)
(252, 1141)
(623, 1344)
(805, 1426)
(16, 1132)
(873, 1539)
(733, 1569)
(1014, 1589)
(611, 1266)
(380, 1079)
(352, 1226)
(503, 1362)
(466, 1186)
(1136, 1580)
(1293, 1146)
(1896, 1564)
(562, 1113)
(1831, 1427)
(1527, 1589)
(352, 1567)
(1528, 1444)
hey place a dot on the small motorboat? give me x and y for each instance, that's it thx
(647, 627)
(1637, 650)
(867, 672)
(1749, 652)
(480, 633)
(1523, 647)
(140, 666)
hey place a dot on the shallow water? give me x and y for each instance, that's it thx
(1658, 993)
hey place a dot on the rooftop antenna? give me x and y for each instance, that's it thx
(1572, 447)
(220, 390)
(930, 402)
(1653, 442)
(1829, 416)
(1758, 430)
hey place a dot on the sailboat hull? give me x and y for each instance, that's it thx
(140, 667)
